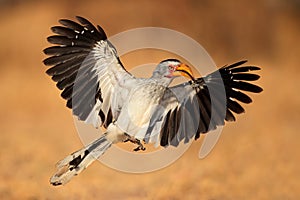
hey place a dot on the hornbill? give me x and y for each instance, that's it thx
(101, 92)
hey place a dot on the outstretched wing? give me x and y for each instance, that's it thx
(192, 108)
(86, 67)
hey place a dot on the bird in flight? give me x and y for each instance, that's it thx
(101, 92)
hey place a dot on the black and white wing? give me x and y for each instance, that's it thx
(192, 108)
(85, 65)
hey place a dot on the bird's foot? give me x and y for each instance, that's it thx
(135, 141)
(140, 146)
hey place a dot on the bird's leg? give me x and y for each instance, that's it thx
(135, 141)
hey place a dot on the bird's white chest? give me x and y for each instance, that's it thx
(139, 107)
(143, 100)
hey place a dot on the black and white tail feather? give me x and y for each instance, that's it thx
(86, 67)
(75, 163)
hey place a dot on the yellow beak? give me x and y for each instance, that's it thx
(184, 70)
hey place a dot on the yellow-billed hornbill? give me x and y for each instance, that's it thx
(101, 92)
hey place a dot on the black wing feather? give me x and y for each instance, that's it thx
(164, 141)
(245, 77)
(57, 50)
(245, 86)
(233, 79)
(64, 31)
(229, 116)
(73, 45)
(65, 66)
(238, 95)
(71, 24)
(54, 60)
(245, 69)
(235, 64)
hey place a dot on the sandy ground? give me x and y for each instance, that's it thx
(256, 158)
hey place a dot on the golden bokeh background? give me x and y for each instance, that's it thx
(256, 158)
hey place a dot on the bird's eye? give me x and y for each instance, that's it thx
(171, 68)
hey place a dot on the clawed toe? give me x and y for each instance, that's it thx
(135, 141)
(140, 147)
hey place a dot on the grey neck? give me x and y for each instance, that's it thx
(165, 81)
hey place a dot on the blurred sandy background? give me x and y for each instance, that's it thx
(255, 158)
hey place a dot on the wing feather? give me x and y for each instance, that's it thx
(202, 102)
(84, 64)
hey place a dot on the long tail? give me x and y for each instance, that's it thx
(75, 163)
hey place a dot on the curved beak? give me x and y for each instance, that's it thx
(184, 70)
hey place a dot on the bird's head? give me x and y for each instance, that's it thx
(172, 68)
